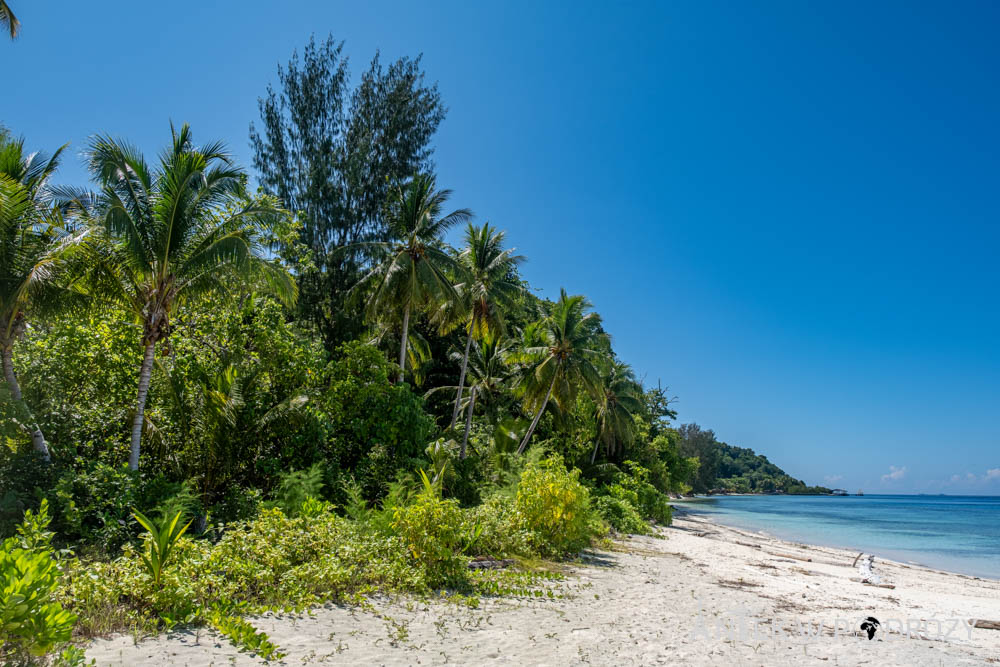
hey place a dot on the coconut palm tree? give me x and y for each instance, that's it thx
(413, 274)
(562, 352)
(181, 230)
(619, 400)
(33, 243)
(8, 20)
(490, 287)
(488, 374)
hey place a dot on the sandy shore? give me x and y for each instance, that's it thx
(705, 594)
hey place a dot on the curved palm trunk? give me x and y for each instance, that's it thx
(593, 456)
(37, 438)
(468, 423)
(402, 346)
(145, 373)
(461, 380)
(534, 422)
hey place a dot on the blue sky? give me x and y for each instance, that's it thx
(785, 212)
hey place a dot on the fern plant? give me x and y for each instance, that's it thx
(297, 486)
(162, 540)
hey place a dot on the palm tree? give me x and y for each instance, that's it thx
(8, 20)
(32, 243)
(619, 400)
(489, 289)
(184, 229)
(413, 274)
(562, 351)
(488, 374)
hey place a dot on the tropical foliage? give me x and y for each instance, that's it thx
(8, 20)
(33, 246)
(259, 354)
(184, 229)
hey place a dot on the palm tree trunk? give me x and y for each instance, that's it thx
(402, 345)
(145, 373)
(593, 457)
(461, 380)
(468, 423)
(534, 422)
(37, 438)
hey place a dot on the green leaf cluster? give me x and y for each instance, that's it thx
(32, 620)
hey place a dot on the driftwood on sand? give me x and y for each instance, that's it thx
(871, 583)
(804, 559)
(490, 563)
(985, 625)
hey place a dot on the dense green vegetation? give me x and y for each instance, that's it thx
(223, 400)
(727, 469)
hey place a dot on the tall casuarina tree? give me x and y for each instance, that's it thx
(179, 230)
(334, 152)
(412, 275)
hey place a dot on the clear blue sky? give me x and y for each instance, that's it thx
(786, 212)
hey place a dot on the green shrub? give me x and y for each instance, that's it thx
(555, 507)
(171, 498)
(272, 561)
(432, 530)
(31, 619)
(238, 504)
(651, 503)
(24, 478)
(502, 532)
(297, 486)
(620, 515)
(94, 503)
(373, 426)
(624, 492)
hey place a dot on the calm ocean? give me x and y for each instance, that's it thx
(955, 533)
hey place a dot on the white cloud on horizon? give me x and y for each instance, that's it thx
(894, 474)
(970, 478)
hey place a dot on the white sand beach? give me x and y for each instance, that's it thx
(704, 595)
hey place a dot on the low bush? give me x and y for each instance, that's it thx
(500, 531)
(432, 530)
(94, 504)
(295, 487)
(24, 479)
(32, 621)
(555, 507)
(272, 562)
(653, 504)
(620, 515)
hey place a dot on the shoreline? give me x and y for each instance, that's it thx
(683, 599)
(894, 556)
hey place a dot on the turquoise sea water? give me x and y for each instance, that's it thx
(955, 533)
